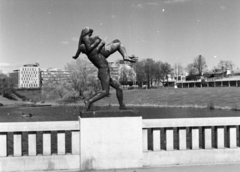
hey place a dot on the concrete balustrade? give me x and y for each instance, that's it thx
(200, 132)
(195, 137)
(3, 144)
(61, 143)
(33, 161)
(232, 131)
(169, 139)
(207, 137)
(220, 137)
(46, 143)
(156, 140)
(103, 143)
(17, 142)
(32, 143)
(75, 142)
(182, 137)
(145, 139)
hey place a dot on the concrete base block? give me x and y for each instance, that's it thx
(44, 163)
(190, 157)
(111, 142)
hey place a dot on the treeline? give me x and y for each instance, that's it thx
(149, 71)
(83, 81)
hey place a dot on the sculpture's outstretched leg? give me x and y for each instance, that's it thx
(119, 93)
(104, 77)
(114, 46)
(87, 105)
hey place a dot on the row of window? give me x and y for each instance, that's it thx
(29, 73)
(27, 82)
(30, 69)
(29, 85)
(29, 78)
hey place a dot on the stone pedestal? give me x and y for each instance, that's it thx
(110, 140)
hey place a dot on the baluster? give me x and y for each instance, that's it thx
(61, 149)
(232, 132)
(145, 139)
(182, 135)
(32, 143)
(46, 143)
(169, 138)
(3, 144)
(207, 137)
(17, 144)
(220, 137)
(195, 137)
(238, 129)
(75, 142)
(156, 140)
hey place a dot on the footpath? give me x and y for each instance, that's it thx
(197, 168)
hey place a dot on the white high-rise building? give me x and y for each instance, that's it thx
(29, 77)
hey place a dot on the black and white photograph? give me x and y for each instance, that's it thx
(119, 85)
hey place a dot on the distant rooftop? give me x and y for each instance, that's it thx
(31, 65)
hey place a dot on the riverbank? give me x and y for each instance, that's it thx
(226, 98)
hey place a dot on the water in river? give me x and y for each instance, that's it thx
(70, 113)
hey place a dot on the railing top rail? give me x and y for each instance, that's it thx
(39, 126)
(190, 122)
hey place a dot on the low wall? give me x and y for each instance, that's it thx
(33, 161)
(185, 141)
(189, 141)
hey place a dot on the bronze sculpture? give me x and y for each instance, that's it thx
(97, 52)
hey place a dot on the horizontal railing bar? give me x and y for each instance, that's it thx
(190, 122)
(38, 126)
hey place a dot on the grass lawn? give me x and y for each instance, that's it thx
(216, 97)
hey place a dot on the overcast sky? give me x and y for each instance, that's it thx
(173, 31)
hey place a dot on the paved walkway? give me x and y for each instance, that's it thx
(198, 168)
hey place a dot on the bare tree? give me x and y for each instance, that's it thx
(82, 75)
(177, 70)
(166, 69)
(127, 73)
(200, 64)
(158, 74)
(224, 65)
(149, 71)
(140, 73)
(191, 69)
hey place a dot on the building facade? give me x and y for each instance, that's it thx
(114, 70)
(54, 75)
(29, 77)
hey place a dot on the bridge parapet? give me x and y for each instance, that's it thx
(189, 141)
(183, 141)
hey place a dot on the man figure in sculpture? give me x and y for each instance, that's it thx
(97, 52)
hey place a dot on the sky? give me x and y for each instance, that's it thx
(172, 31)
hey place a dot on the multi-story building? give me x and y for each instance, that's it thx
(114, 70)
(54, 74)
(29, 76)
